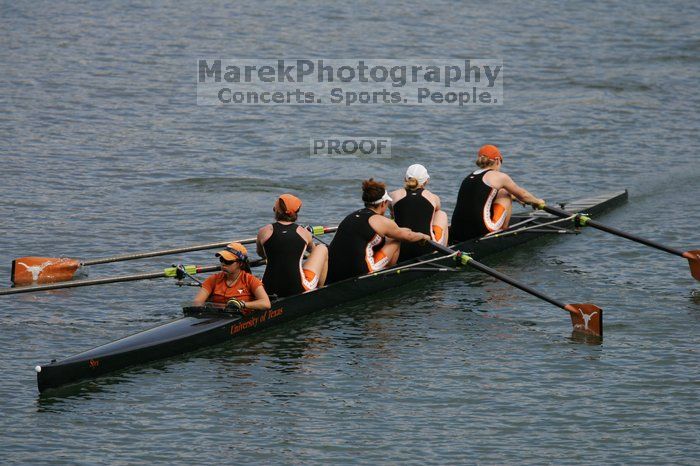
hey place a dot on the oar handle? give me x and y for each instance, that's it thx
(586, 221)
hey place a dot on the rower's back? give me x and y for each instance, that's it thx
(414, 211)
(354, 240)
(471, 217)
(284, 251)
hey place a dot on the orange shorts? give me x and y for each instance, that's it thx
(378, 261)
(309, 280)
(437, 232)
(498, 218)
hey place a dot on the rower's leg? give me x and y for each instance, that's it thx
(324, 273)
(318, 263)
(391, 250)
(502, 205)
(440, 221)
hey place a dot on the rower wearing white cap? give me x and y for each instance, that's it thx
(367, 241)
(417, 208)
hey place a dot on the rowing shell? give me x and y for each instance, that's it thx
(203, 327)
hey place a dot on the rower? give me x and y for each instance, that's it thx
(283, 243)
(367, 241)
(417, 208)
(484, 202)
(234, 286)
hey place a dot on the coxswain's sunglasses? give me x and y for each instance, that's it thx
(225, 262)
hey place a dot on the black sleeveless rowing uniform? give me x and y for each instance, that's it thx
(284, 251)
(472, 215)
(351, 252)
(415, 212)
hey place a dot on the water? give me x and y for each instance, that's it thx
(104, 151)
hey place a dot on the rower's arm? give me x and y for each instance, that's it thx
(521, 194)
(306, 236)
(389, 228)
(436, 201)
(263, 235)
(261, 301)
(201, 297)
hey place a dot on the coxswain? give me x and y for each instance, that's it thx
(417, 208)
(234, 286)
(283, 244)
(367, 241)
(484, 202)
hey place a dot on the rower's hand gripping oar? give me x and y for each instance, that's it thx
(586, 318)
(583, 220)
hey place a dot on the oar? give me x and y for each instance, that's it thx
(586, 318)
(692, 256)
(170, 272)
(28, 270)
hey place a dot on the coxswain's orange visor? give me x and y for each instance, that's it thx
(234, 251)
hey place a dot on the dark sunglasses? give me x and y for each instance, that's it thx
(225, 262)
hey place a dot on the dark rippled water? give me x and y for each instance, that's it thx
(104, 150)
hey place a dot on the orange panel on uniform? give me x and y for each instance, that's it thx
(243, 288)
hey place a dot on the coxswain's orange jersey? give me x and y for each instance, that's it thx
(284, 250)
(352, 251)
(473, 214)
(243, 288)
(415, 212)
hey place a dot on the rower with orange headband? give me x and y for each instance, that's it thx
(234, 285)
(484, 202)
(283, 244)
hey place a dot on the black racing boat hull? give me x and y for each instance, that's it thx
(205, 329)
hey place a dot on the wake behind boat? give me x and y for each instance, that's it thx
(210, 325)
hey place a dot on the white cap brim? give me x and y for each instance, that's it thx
(385, 197)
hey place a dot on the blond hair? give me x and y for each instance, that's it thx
(411, 184)
(484, 162)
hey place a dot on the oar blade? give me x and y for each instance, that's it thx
(694, 262)
(31, 270)
(586, 318)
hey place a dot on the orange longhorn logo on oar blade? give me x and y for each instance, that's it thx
(30, 270)
(586, 318)
(694, 262)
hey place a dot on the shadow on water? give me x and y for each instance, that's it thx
(587, 339)
(695, 296)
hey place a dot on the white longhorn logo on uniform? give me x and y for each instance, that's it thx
(35, 270)
(587, 317)
(240, 291)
